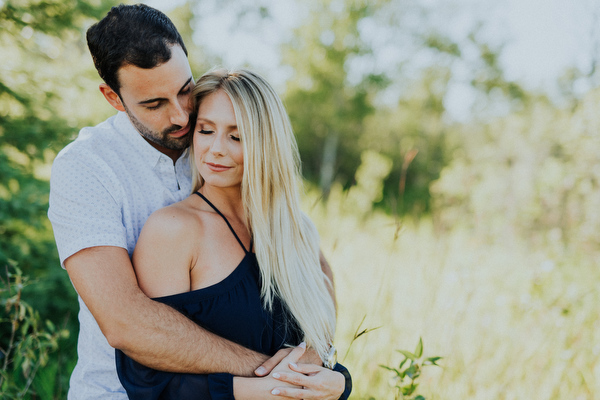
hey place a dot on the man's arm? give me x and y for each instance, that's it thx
(151, 333)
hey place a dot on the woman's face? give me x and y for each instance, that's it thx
(218, 152)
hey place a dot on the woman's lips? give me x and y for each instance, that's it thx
(217, 167)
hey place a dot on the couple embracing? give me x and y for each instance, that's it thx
(179, 224)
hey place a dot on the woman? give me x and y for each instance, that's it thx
(245, 206)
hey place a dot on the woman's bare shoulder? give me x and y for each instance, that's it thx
(167, 249)
(175, 221)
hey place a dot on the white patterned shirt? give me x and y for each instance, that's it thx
(103, 187)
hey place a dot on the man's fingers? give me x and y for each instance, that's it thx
(284, 355)
(295, 354)
(272, 362)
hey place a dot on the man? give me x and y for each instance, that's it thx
(106, 183)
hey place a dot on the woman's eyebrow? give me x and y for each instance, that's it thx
(209, 121)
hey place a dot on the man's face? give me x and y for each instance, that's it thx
(157, 101)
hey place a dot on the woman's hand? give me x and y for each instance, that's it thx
(262, 388)
(291, 380)
(311, 382)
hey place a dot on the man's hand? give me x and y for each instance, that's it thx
(310, 356)
(262, 388)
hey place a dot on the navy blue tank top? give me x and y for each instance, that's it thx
(232, 309)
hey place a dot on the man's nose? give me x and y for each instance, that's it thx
(180, 114)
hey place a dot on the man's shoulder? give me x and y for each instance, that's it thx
(91, 140)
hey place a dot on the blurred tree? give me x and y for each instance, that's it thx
(185, 18)
(41, 44)
(41, 104)
(531, 174)
(414, 133)
(326, 109)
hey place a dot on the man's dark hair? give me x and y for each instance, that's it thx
(136, 35)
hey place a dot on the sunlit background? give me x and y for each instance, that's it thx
(451, 160)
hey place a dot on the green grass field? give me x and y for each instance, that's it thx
(509, 320)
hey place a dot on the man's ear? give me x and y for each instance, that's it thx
(112, 97)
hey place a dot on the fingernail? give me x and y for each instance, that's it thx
(293, 365)
(276, 375)
(260, 370)
(303, 345)
(275, 391)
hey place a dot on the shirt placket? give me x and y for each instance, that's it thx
(167, 174)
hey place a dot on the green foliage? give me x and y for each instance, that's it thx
(414, 134)
(369, 178)
(328, 111)
(44, 75)
(34, 123)
(26, 340)
(406, 375)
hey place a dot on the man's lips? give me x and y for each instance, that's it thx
(181, 132)
(217, 167)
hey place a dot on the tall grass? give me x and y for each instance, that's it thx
(509, 320)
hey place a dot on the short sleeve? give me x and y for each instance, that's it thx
(83, 210)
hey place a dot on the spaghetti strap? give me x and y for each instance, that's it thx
(226, 221)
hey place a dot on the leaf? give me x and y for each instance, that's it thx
(419, 349)
(412, 372)
(50, 325)
(391, 369)
(407, 354)
(358, 334)
(431, 360)
(402, 363)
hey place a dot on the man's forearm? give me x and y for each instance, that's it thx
(176, 344)
(150, 332)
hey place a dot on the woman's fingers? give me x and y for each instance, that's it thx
(289, 392)
(293, 378)
(306, 369)
(319, 384)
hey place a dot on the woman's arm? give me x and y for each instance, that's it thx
(164, 253)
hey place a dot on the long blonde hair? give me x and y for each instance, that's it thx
(285, 240)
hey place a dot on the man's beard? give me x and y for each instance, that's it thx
(162, 139)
